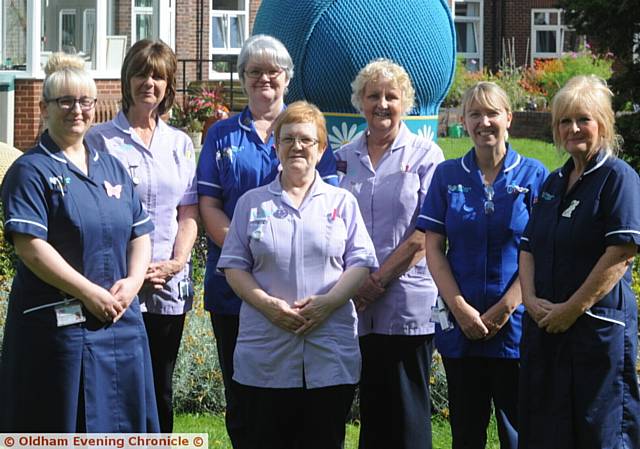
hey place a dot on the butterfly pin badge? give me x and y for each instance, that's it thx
(113, 190)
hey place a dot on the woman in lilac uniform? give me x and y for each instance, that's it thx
(389, 170)
(161, 163)
(296, 252)
(474, 214)
(75, 355)
(239, 155)
(579, 387)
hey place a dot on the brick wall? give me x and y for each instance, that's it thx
(27, 112)
(186, 37)
(254, 5)
(514, 24)
(531, 125)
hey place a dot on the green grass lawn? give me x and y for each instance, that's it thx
(214, 426)
(536, 149)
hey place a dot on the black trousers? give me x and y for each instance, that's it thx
(395, 404)
(225, 329)
(296, 418)
(473, 383)
(164, 333)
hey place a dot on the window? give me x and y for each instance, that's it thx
(88, 31)
(550, 37)
(67, 31)
(145, 24)
(229, 27)
(13, 35)
(468, 22)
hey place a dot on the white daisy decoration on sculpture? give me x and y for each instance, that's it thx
(343, 136)
(426, 132)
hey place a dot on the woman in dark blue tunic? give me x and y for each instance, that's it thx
(579, 387)
(75, 354)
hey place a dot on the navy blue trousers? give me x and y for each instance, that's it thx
(395, 406)
(474, 383)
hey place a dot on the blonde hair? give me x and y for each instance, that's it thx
(586, 93)
(377, 70)
(488, 95)
(303, 112)
(65, 70)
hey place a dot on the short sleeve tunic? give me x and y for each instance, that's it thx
(48, 372)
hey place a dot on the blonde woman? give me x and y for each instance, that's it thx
(479, 205)
(75, 355)
(579, 346)
(389, 170)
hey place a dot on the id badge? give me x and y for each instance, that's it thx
(184, 288)
(69, 313)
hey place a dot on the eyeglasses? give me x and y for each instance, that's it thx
(67, 102)
(489, 207)
(257, 74)
(305, 142)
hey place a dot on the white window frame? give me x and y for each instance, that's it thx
(34, 51)
(560, 28)
(66, 12)
(85, 31)
(143, 11)
(479, 21)
(226, 13)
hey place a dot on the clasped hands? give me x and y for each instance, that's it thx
(110, 305)
(553, 318)
(481, 327)
(303, 316)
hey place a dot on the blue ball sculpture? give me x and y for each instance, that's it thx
(331, 40)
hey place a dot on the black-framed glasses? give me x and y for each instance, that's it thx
(305, 142)
(257, 74)
(489, 206)
(67, 102)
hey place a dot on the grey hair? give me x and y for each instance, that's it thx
(65, 70)
(264, 47)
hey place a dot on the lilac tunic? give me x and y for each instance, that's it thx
(294, 253)
(165, 178)
(390, 197)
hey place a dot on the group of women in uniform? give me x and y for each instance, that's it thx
(324, 287)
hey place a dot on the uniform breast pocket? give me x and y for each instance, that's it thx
(519, 215)
(262, 239)
(336, 237)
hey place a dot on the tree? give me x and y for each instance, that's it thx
(614, 27)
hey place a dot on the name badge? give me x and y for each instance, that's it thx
(69, 313)
(184, 289)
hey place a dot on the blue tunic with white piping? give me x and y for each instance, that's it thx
(579, 388)
(54, 378)
(483, 247)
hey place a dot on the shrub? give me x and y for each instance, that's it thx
(628, 126)
(551, 75)
(197, 380)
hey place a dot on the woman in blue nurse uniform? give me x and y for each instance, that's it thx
(239, 155)
(389, 170)
(75, 354)
(480, 204)
(296, 252)
(579, 386)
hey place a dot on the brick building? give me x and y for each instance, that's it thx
(212, 32)
(521, 30)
